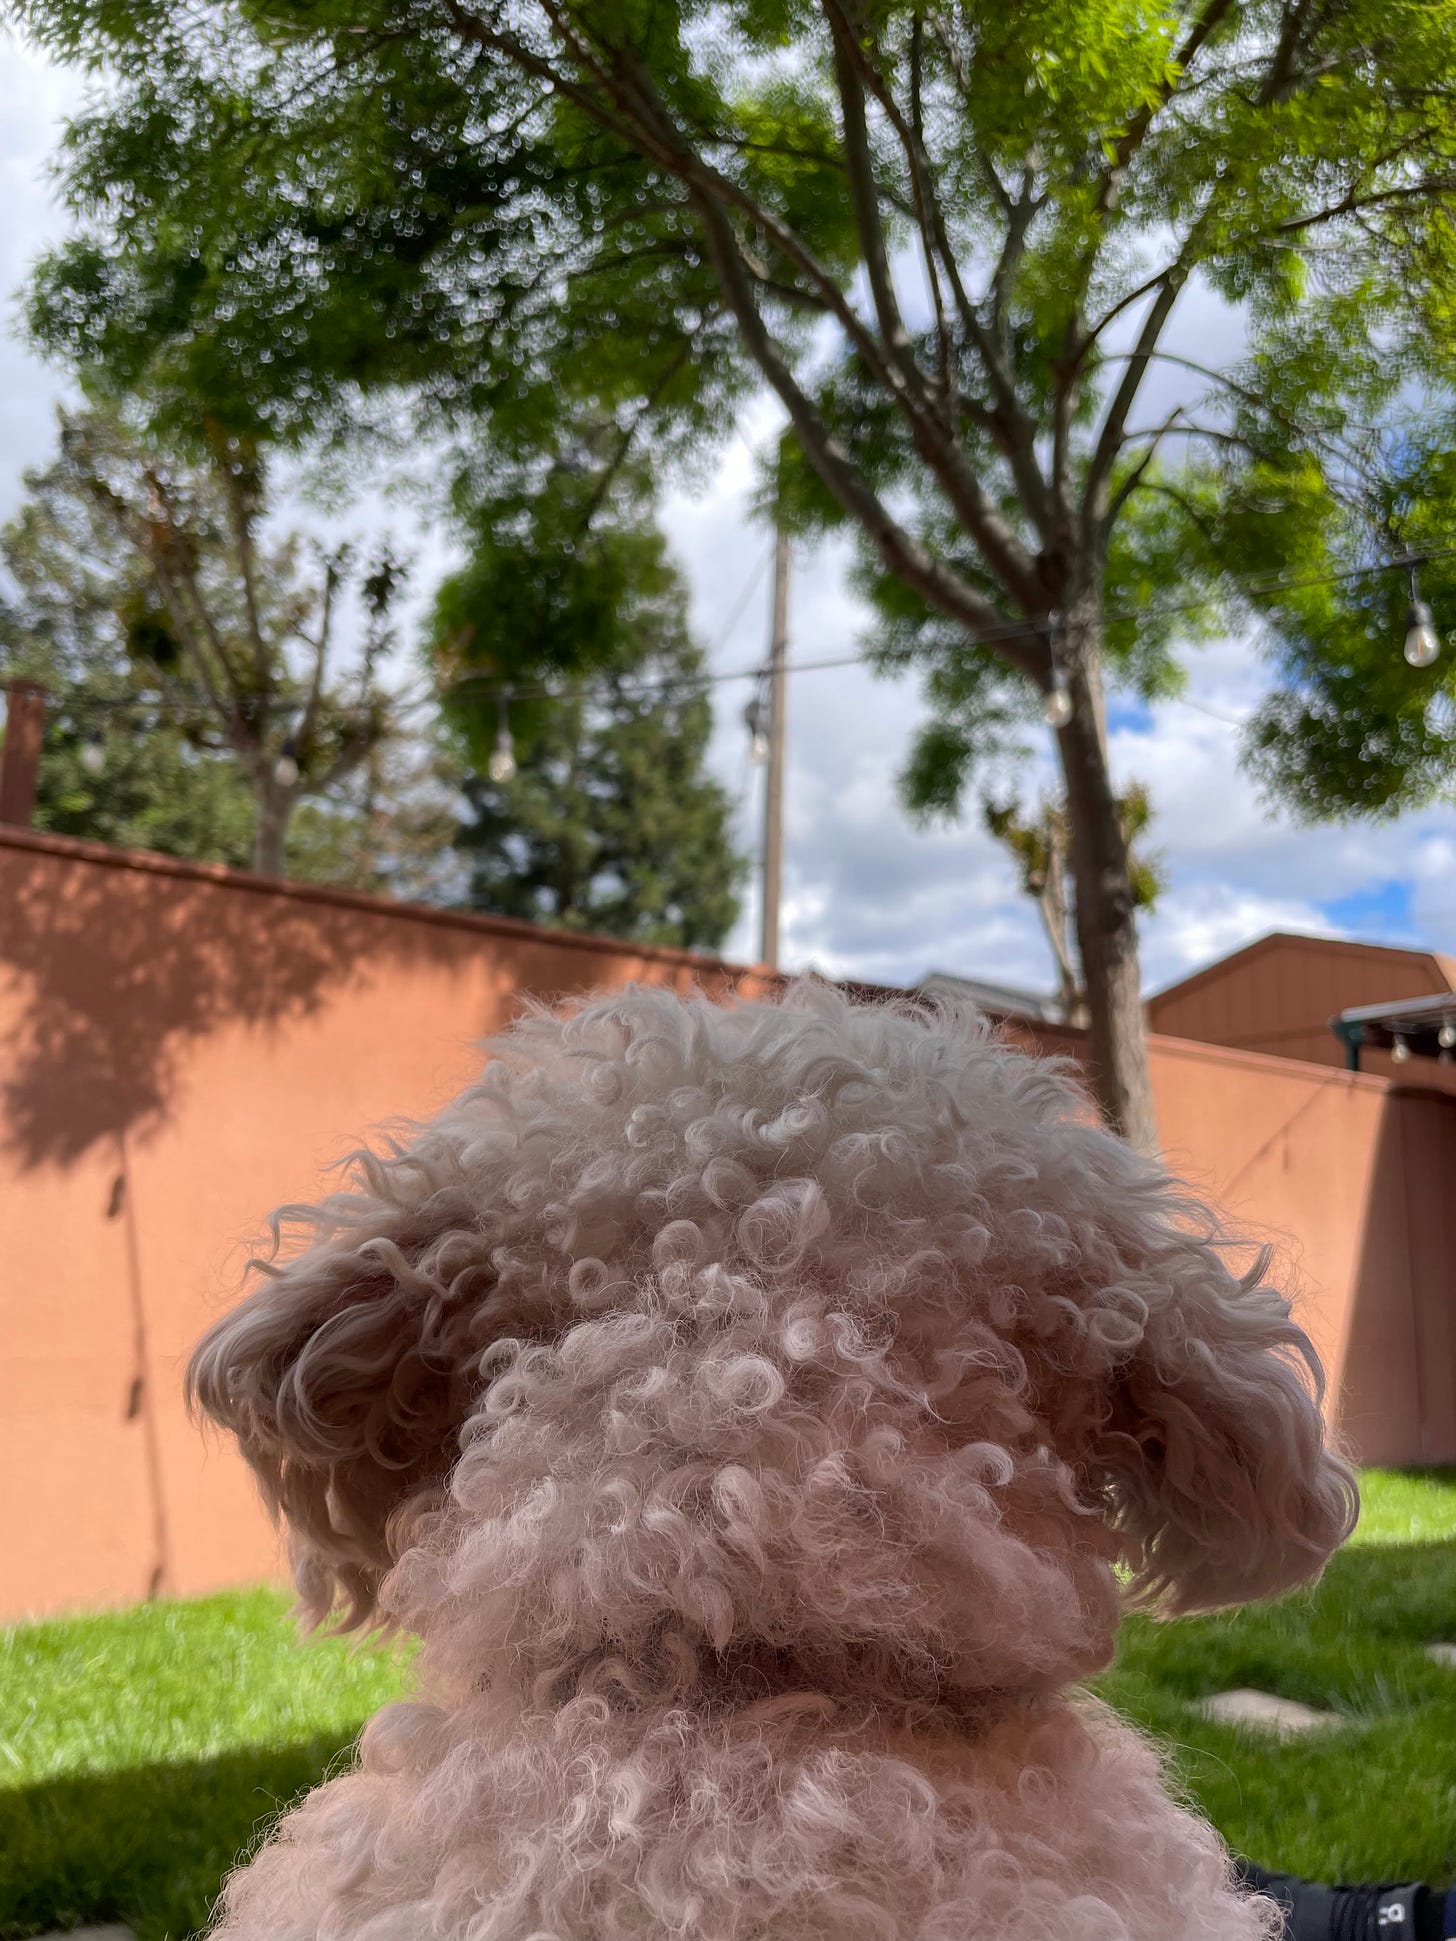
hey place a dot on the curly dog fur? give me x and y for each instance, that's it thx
(749, 1409)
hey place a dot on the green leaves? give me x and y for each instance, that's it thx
(503, 223)
(140, 589)
(612, 822)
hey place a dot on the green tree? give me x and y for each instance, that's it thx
(1350, 730)
(949, 237)
(117, 765)
(567, 632)
(143, 591)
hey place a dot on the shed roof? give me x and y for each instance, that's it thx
(1442, 968)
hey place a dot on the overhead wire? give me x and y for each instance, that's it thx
(488, 685)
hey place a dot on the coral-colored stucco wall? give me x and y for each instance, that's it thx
(182, 1048)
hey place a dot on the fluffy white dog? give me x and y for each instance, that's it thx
(748, 1408)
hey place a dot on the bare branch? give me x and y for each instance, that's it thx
(1134, 478)
(1110, 437)
(900, 551)
(320, 646)
(1354, 203)
(1138, 128)
(240, 519)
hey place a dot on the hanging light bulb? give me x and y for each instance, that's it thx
(1422, 642)
(755, 717)
(285, 769)
(1056, 705)
(502, 764)
(93, 753)
(1446, 1036)
(1400, 1051)
(1057, 701)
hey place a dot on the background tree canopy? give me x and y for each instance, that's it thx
(951, 238)
(568, 625)
(142, 575)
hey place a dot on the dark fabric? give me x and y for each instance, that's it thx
(1393, 1912)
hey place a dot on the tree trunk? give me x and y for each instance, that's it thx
(1106, 920)
(1053, 904)
(272, 808)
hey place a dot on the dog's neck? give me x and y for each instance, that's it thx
(750, 1675)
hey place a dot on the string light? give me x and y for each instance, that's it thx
(1014, 630)
(1056, 703)
(1446, 1036)
(1422, 642)
(755, 717)
(93, 754)
(1421, 639)
(502, 764)
(285, 769)
(1400, 1051)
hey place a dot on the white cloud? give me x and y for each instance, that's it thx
(1199, 922)
(36, 96)
(1433, 897)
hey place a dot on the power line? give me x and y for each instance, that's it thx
(489, 686)
(1214, 714)
(754, 582)
(987, 637)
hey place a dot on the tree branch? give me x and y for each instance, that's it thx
(1007, 424)
(241, 522)
(1139, 127)
(1353, 203)
(178, 564)
(630, 88)
(624, 444)
(320, 654)
(1114, 424)
(1190, 511)
(1134, 478)
(899, 550)
(865, 201)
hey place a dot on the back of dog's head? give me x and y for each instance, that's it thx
(806, 1343)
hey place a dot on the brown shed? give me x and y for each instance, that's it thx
(1278, 996)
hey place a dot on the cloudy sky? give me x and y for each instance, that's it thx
(867, 894)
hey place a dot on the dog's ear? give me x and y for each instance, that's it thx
(346, 1375)
(1216, 1457)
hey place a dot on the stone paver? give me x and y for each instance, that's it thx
(92, 1934)
(1266, 1711)
(1444, 1654)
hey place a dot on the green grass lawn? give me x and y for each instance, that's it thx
(140, 1751)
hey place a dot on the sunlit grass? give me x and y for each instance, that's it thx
(1374, 1798)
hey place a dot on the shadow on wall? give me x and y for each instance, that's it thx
(118, 963)
(117, 969)
(1398, 1392)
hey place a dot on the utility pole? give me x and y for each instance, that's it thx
(773, 806)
